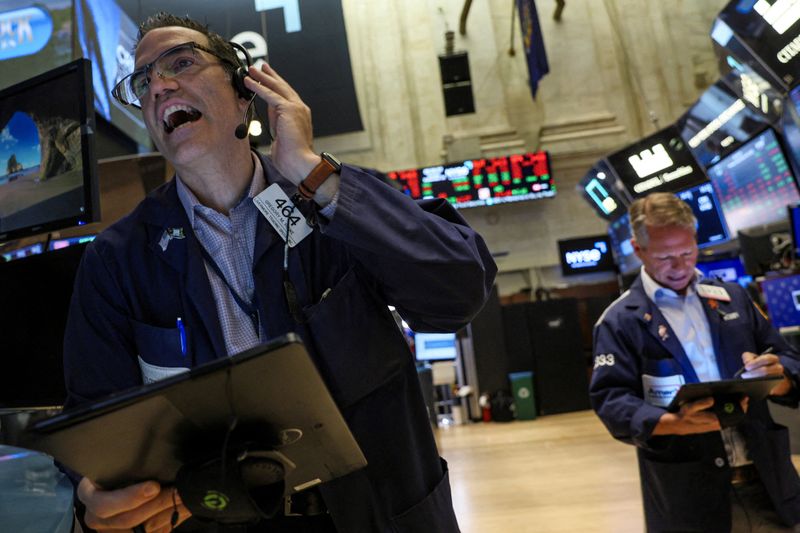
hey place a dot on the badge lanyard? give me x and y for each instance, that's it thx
(249, 308)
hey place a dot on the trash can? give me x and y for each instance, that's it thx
(522, 389)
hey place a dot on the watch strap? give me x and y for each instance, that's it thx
(327, 165)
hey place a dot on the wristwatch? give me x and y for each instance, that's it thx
(328, 165)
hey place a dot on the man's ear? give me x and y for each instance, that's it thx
(636, 248)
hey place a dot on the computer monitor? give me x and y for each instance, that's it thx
(619, 233)
(36, 293)
(435, 346)
(602, 190)
(728, 269)
(711, 228)
(479, 182)
(794, 226)
(25, 251)
(48, 179)
(754, 184)
(782, 296)
(58, 244)
(765, 248)
(585, 255)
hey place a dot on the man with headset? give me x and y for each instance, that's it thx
(195, 273)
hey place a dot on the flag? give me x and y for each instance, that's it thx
(533, 42)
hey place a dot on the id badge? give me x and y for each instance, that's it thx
(281, 213)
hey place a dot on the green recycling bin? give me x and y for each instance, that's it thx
(522, 388)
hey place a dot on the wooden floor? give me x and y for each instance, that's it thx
(556, 473)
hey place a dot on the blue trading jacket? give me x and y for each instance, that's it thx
(381, 248)
(686, 479)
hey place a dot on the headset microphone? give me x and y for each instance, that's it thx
(241, 129)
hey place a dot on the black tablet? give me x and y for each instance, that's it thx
(755, 388)
(149, 432)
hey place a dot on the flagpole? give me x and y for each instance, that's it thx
(511, 51)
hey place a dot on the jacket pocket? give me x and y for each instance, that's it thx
(159, 351)
(433, 513)
(352, 331)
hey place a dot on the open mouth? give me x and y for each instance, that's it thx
(178, 115)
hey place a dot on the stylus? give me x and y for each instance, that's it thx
(744, 368)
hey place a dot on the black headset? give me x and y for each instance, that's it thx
(241, 71)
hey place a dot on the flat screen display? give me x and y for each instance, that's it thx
(48, 172)
(711, 228)
(782, 296)
(754, 184)
(479, 182)
(106, 36)
(435, 346)
(36, 296)
(728, 269)
(603, 191)
(794, 224)
(586, 254)
(770, 29)
(717, 124)
(661, 162)
(619, 233)
(25, 251)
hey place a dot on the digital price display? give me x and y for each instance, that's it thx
(661, 162)
(585, 254)
(754, 184)
(479, 182)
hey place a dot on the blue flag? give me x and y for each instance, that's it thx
(533, 42)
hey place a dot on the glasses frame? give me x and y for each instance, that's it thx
(116, 92)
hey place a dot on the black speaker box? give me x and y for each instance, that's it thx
(454, 68)
(560, 368)
(456, 84)
(458, 100)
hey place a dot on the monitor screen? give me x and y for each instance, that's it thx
(729, 269)
(619, 233)
(25, 251)
(106, 36)
(586, 254)
(36, 296)
(48, 174)
(782, 296)
(58, 244)
(717, 124)
(435, 346)
(754, 184)
(661, 162)
(603, 191)
(794, 225)
(711, 227)
(479, 182)
(769, 29)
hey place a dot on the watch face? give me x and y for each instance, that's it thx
(330, 158)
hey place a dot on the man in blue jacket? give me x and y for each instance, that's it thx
(196, 273)
(673, 327)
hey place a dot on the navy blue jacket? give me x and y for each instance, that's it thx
(381, 248)
(686, 479)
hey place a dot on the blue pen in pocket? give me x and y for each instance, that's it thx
(182, 333)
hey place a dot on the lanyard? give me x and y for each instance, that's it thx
(249, 308)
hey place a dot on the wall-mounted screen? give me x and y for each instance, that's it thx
(770, 30)
(48, 171)
(585, 254)
(754, 184)
(479, 182)
(711, 228)
(106, 36)
(603, 191)
(660, 162)
(619, 233)
(717, 124)
(435, 346)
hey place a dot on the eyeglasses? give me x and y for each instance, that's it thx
(170, 63)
